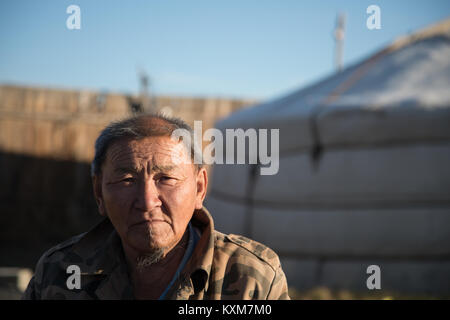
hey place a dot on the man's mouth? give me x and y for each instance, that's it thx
(148, 221)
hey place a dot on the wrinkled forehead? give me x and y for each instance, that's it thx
(160, 151)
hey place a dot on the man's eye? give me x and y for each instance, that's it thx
(166, 179)
(127, 180)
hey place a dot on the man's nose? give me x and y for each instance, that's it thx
(148, 195)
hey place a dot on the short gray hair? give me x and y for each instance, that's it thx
(138, 127)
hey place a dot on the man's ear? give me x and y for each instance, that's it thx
(202, 185)
(97, 186)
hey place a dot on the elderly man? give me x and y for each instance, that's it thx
(157, 241)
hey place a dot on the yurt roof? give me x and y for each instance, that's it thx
(399, 94)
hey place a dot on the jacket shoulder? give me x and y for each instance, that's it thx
(49, 264)
(63, 246)
(86, 241)
(249, 247)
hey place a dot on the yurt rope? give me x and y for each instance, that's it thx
(354, 77)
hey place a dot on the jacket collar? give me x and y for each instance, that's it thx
(194, 279)
(199, 266)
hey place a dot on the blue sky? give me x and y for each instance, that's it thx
(235, 48)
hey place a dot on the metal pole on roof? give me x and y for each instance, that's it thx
(339, 35)
(145, 97)
(144, 82)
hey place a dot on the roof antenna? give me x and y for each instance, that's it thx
(144, 92)
(339, 33)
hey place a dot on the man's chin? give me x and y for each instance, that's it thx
(146, 244)
(148, 235)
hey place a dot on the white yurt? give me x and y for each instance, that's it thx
(364, 174)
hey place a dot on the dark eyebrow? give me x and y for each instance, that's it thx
(125, 170)
(155, 168)
(162, 168)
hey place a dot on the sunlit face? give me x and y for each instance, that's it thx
(148, 198)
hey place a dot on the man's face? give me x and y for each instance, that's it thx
(148, 198)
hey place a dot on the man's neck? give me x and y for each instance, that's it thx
(150, 281)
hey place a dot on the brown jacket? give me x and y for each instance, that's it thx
(221, 267)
